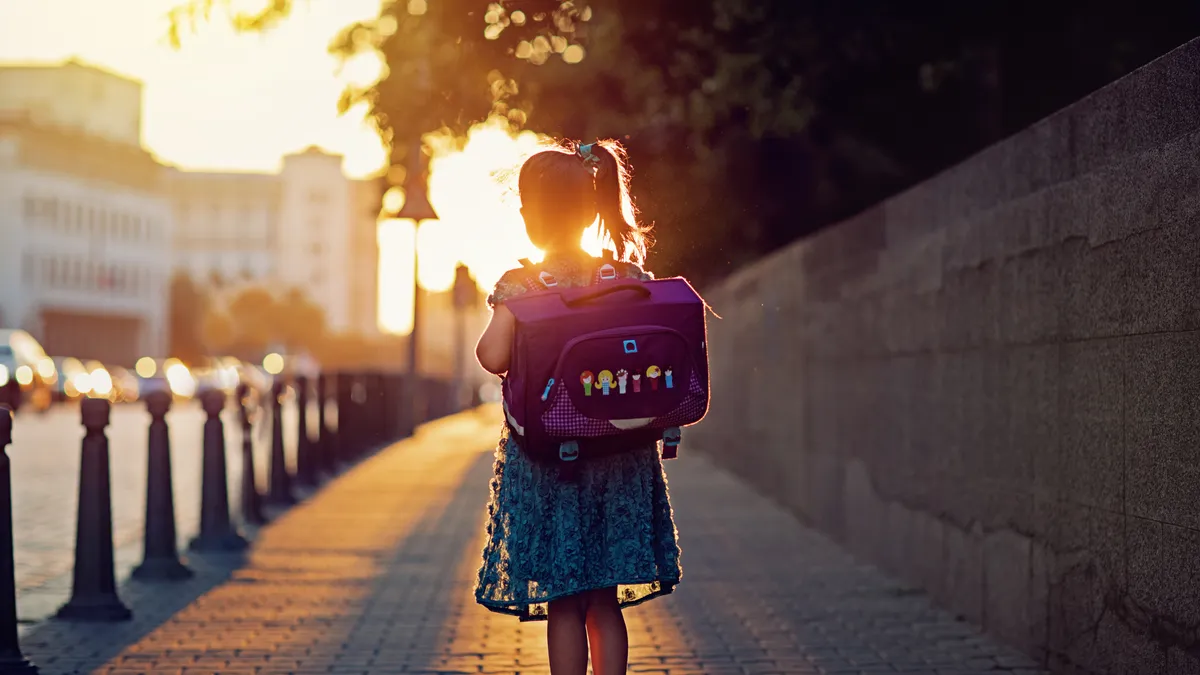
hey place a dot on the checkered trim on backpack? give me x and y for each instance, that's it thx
(688, 412)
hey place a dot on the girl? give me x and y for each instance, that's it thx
(575, 552)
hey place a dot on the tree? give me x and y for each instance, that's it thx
(219, 332)
(253, 312)
(749, 123)
(299, 322)
(187, 307)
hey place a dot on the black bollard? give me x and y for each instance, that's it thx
(345, 417)
(251, 500)
(94, 584)
(306, 464)
(325, 460)
(12, 662)
(161, 558)
(217, 533)
(280, 490)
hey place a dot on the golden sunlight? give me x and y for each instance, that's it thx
(473, 190)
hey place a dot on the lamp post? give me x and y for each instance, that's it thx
(466, 297)
(417, 209)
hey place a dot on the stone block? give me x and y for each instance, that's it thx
(1087, 466)
(1095, 290)
(1147, 565)
(1162, 428)
(963, 565)
(1081, 578)
(1007, 574)
(1141, 110)
(1180, 568)
(1163, 279)
(1030, 297)
(1031, 385)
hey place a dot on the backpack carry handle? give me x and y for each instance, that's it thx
(595, 292)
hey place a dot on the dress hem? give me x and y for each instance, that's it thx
(522, 613)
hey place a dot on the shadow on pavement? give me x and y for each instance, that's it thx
(69, 647)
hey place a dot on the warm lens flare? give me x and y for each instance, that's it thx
(472, 187)
(273, 364)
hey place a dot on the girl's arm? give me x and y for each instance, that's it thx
(495, 345)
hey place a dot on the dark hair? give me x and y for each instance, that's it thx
(561, 192)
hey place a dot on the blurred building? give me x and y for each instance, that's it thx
(363, 272)
(225, 225)
(307, 227)
(85, 221)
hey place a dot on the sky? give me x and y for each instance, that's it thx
(240, 102)
(221, 101)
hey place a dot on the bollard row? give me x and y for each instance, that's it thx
(356, 413)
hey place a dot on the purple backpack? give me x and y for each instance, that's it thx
(605, 367)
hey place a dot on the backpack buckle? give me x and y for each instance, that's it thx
(671, 439)
(607, 272)
(568, 451)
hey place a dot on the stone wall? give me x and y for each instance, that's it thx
(990, 385)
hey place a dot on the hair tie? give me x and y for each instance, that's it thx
(585, 153)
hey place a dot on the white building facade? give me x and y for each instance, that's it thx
(307, 227)
(85, 222)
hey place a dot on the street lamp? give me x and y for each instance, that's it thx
(417, 209)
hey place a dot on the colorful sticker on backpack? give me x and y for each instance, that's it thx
(605, 380)
(586, 379)
(637, 383)
(652, 374)
(622, 380)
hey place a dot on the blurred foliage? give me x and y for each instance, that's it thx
(749, 122)
(188, 307)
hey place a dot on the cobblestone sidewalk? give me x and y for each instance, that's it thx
(374, 575)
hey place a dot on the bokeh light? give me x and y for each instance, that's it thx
(273, 363)
(146, 367)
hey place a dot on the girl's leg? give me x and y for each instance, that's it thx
(606, 632)
(566, 636)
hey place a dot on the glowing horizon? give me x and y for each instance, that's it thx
(229, 102)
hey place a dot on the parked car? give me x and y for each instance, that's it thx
(27, 375)
(125, 385)
(165, 375)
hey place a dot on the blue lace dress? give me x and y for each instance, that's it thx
(609, 526)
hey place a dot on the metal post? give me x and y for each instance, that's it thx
(324, 439)
(217, 532)
(94, 583)
(12, 662)
(251, 500)
(306, 466)
(280, 491)
(161, 557)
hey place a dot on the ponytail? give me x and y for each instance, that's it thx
(618, 217)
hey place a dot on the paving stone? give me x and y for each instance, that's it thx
(373, 575)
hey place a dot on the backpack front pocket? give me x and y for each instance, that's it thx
(617, 379)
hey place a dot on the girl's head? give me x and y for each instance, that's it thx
(563, 190)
